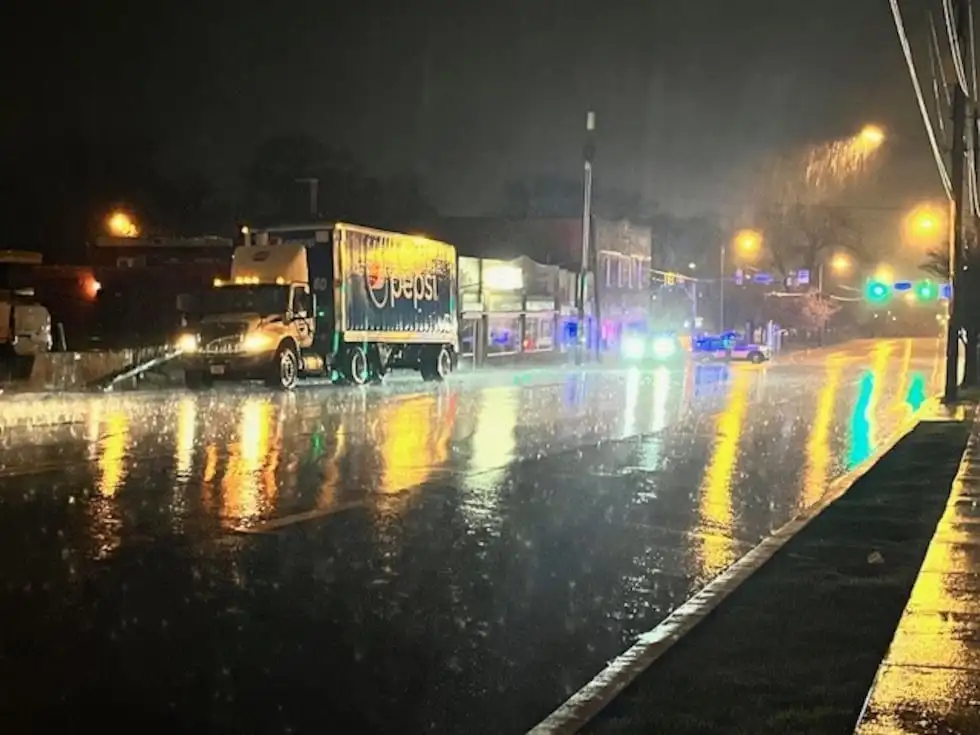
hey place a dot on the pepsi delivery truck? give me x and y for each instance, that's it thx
(336, 300)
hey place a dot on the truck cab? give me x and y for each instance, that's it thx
(257, 324)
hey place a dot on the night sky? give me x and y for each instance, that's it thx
(690, 96)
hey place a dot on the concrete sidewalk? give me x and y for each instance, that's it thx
(929, 681)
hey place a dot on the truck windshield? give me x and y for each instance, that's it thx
(16, 275)
(262, 299)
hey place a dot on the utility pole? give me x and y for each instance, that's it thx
(721, 299)
(588, 155)
(957, 205)
(314, 185)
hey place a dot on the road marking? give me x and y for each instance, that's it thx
(591, 699)
(276, 524)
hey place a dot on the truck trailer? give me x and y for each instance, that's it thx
(336, 300)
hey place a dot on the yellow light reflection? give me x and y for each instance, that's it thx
(210, 471)
(715, 511)
(244, 495)
(494, 439)
(818, 452)
(493, 445)
(186, 436)
(881, 357)
(331, 472)
(112, 454)
(415, 439)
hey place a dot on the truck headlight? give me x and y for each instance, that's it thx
(187, 343)
(664, 347)
(256, 342)
(633, 348)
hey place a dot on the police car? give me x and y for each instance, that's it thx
(728, 346)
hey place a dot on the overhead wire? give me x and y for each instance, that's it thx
(974, 127)
(907, 51)
(954, 45)
(938, 80)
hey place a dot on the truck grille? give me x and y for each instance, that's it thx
(223, 345)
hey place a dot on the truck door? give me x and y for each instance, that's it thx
(301, 308)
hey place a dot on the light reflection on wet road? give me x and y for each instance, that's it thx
(453, 558)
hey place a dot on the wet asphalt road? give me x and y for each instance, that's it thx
(408, 558)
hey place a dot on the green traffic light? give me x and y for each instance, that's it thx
(926, 291)
(876, 291)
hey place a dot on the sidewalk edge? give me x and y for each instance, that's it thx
(588, 701)
(972, 444)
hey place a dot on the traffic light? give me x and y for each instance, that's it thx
(877, 292)
(670, 279)
(926, 291)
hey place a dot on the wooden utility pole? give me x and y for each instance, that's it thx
(588, 154)
(958, 205)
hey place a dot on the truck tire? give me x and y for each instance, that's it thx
(436, 363)
(355, 367)
(197, 379)
(284, 371)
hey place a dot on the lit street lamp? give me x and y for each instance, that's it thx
(121, 224)
(748, 244)
(841, 264)
(872, 136)
(925, 225)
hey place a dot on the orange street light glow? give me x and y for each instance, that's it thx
(872, 135)
(121, 224)
(840, 263)
(748, 242)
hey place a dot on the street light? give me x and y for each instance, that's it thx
(925, 224)
(747, 243)
(692, 266)
(841, 264)
(121, 224)
(872, 136)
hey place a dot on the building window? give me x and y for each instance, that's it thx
(467, 337)
(621, 277)
(504, 336)
(607, 266)
(539, 333)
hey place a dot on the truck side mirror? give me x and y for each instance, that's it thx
(301, 304)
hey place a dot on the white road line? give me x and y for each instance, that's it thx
(282, 522)
(588, 701)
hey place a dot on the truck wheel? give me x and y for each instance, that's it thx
(355, 367)
(284, 371)
(197, 379)
(437, 363)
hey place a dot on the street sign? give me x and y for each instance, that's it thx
(945, 291)
(803, 277)
(739, 277)
(762, 278)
